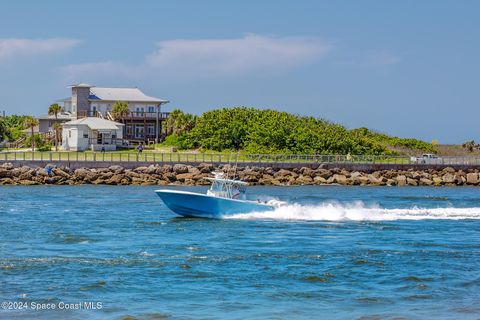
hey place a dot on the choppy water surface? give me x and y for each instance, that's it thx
(333, 253)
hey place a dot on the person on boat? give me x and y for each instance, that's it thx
(235, 192)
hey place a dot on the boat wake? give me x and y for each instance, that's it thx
(358, 212)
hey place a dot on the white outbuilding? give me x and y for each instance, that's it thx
(92, 133)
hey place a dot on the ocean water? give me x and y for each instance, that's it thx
(332, 253)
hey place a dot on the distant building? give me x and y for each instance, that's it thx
(144, 123)
(45, 123)
(92, 133)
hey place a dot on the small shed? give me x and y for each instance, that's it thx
(92, 133)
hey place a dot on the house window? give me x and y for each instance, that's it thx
(129, 129)
(151, 130)
(140, 109)
(85, 135)
(151, 109)
(139, 131)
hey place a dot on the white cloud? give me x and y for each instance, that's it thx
(251, 53)
(12, 48)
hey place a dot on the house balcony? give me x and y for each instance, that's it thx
(84, 114)
(136, 115)
(133, 115)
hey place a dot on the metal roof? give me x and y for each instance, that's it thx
(121, 94)
(95, 123)
(82, 85)
(60, 116)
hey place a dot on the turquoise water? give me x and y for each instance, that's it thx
(333, 253)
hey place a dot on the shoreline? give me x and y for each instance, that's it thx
(192, 175)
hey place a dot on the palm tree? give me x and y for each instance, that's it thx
(31, 123)
(172, 121)
(120, 110)
(54, 109)
(56, 128)
(179, 122)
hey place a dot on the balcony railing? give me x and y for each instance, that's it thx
(132, 115)
(84, 114)
(148, 115)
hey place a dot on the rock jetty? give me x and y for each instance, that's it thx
(180, 174)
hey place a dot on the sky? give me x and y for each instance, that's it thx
(407, 68)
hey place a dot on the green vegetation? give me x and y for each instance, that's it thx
(255, 131)
(268, 131)
(31, 123)
(120, 110)
(39, 142)
(180, 123)
(394, 142)
(11, 127)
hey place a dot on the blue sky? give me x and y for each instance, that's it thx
(408, 68)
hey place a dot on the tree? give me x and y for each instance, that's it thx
(54, 109)
(120, 110)
(31, 123)
(56, 128)
(179, 122)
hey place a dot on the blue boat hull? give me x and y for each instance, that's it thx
(191, 204)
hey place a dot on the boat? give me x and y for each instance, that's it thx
(225, 197)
